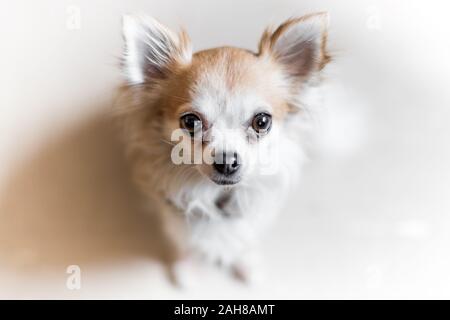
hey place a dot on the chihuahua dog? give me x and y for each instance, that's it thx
(215, 138)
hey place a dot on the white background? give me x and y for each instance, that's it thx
(369, 220)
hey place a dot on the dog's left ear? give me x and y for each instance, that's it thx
(298, 44)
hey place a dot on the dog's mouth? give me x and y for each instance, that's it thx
(225, 181)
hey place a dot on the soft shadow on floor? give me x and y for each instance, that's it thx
(73, 203)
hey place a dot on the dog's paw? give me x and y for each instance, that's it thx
(185, 273)
(249, 270)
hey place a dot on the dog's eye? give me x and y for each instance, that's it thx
(262, 123)
(191, 122)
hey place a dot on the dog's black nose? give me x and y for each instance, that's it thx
(227, 163)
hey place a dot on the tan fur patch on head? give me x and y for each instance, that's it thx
(237, 70)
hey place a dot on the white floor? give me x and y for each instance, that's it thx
(369, 220)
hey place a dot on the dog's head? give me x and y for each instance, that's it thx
(225, 109)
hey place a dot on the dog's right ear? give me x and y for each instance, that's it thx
(152, 50)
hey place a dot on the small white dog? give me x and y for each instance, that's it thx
(215, 138)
